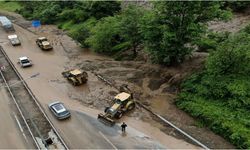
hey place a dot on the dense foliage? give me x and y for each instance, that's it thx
(167, 30)
(211, 40)
(173, 26)
(116, 33)
(78, 17)
(236, 6)
(76, 11)
(219, 95)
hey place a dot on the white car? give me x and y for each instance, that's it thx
(59, 110)
(24, 61)
(14, 40)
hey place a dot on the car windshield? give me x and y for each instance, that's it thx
(25, 61)
(42, 40)
(63, 113)
(58, 107)
(16, 40)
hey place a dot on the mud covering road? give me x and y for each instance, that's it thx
(47, 90)
(155, 86)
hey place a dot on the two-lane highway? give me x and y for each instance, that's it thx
(82, 130)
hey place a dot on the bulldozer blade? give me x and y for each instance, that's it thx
(106, 120)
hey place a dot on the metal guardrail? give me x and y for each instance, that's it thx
(34, 98)
(20, 111)
(175, 127)
(157, 115)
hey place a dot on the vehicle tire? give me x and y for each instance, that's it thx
(106, 109)
(131, 106)
(73, 83)
(119, 114)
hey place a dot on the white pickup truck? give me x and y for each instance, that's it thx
(14, 40)
(24, 61)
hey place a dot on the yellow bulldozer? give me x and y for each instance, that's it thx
(122, 103)
(75, 76)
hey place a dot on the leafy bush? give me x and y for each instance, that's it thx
(10, 6)
(173, 26)
(210, 41)
(81, 31)
(237, 6)
(105, 35)
(117, 33)
(219, 96)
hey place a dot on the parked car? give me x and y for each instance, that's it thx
(14, 40)
(43, 43)
(59, 110)
(24, 61)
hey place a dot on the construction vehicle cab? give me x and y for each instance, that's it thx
(76, 77)
(122, 103)
(43, 43)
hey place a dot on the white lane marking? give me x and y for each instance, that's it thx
(108, 140)
(20, 127)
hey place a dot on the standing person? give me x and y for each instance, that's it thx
(123, 127)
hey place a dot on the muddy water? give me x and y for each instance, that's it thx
(141, 78)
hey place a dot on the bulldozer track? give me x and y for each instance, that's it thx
(29, 108)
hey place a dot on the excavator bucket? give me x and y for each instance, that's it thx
(105, 119)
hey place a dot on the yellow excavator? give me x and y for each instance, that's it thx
(122, 103)
(75, 76)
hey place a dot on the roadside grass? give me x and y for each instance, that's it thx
(233, 124)
(10, 6)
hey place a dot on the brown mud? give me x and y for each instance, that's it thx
(153, 85)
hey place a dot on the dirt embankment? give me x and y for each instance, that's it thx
(153, 85)
(238, 21)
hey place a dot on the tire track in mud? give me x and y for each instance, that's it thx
(33, 114)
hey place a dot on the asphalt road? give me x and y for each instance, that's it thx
(82, 130)
(11, 135)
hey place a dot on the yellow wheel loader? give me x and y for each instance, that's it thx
(122, 103)
(76, 77)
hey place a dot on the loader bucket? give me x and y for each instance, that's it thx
(65, 74)
(106, 120)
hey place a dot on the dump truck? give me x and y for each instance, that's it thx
(75, 76)
(43, 43)
(122, 103)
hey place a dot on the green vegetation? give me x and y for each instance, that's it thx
(108, 29)
(78, 17)
(219, 96)
(236, 6)
(172, 28)
(168, 31)
(211, 40)
(117, 33)
(10, 6)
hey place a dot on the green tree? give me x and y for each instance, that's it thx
(172, 27)
(82, 31)
(130, 20)
(118, 33)
(105, 35)
(98, 9)
(231, 57)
